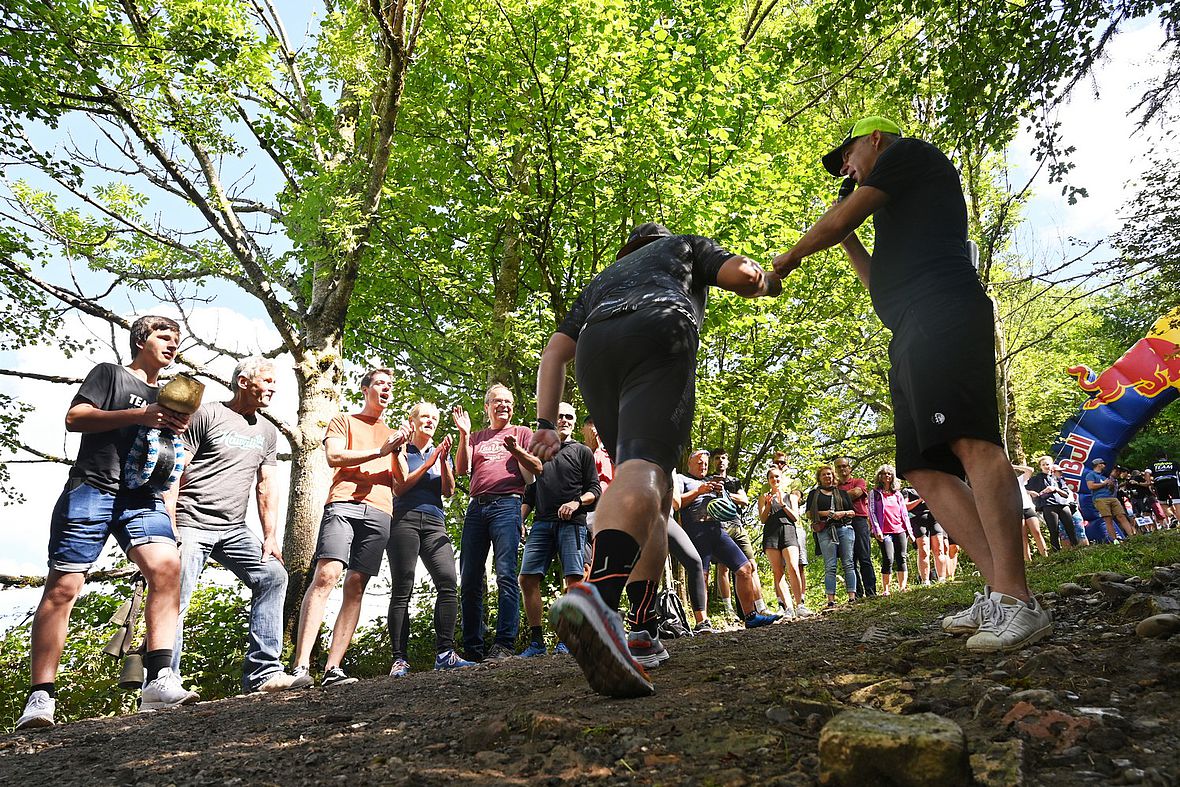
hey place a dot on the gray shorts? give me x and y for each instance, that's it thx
(355, 534)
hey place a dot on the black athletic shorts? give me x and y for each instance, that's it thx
(779, 535)
(942, 380)
(637, 375)
(1167, 490)
(926, 526)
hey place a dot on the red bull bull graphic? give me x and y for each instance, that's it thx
(1122, 400)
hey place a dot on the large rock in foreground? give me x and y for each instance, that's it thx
(865, 746)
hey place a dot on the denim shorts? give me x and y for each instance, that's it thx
(548, 538)
(85, 516)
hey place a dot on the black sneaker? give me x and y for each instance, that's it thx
(704, 627)
(336, 677)
(500, 653)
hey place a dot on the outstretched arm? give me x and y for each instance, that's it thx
(746, 278)
(550, 383)
(834, 227)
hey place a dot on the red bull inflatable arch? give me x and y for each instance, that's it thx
(1122, 400)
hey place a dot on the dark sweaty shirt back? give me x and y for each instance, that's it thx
(671, 272)
(1164, 470)
(101, 455)
(920, 251)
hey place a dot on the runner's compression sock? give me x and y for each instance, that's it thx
(615, 554)
(536, 636)
(154, 661)
(642, 595)
(48, 688)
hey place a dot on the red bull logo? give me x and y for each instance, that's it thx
(1150, 367)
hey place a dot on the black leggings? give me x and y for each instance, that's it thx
(680, 545)
(1058, 517)
(894, 552)
(411, 536)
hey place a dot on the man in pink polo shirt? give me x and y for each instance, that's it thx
(862, 548)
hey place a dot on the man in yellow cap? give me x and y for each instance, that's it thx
(942, 359)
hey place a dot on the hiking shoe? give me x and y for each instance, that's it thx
(336, 677)
(500, 653)
(165, 691)
(1010, 624)
(967, 621)
(38, 711)
(561, 650)
(646, 649)
(757, 619)
(595, 636)
(704, 627)
(449, 659)
(533, 650)
(400, 668)
(278, 681)
(801, 611)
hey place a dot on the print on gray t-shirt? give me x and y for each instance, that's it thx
(227, 450)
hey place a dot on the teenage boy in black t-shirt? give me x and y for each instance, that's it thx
(113, 402)
(634, 330)
(942, 357)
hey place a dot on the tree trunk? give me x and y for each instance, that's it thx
(319, 376)
(504, 358)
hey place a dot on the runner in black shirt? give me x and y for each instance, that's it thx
(942, 357)
(634, 330)
(1167, 488)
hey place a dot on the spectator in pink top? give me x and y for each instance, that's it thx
(500, 467)
(890, 521)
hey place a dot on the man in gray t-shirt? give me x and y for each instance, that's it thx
(232, 451)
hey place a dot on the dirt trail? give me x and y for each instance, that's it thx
(1093, 705)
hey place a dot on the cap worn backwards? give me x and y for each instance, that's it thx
(834, 160)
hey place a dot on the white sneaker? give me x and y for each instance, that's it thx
(165, 691)
(801, 611)
(278, 681)
(38, 711)
(969, 620)
(1010, 624)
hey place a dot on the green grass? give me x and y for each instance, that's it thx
(1134, 557)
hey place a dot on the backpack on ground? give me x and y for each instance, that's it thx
(673, 620)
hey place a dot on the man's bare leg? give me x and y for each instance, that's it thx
(985, 518)
(311, 612)
(51, 622)
(346, 620)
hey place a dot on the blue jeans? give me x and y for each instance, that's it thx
(495, 525)
(240, 551)
(840, 539)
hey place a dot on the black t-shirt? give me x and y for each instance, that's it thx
(1037, 483)
(101, 454)
(671, 273)
(1164, 470)
(919, 511)
(567, 476)
(1138, 488)
(920, 252)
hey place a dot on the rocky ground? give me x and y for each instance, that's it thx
(1095, 704)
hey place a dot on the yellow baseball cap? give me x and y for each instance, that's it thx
(834, 160)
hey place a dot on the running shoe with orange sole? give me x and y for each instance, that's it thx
(595, 636)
